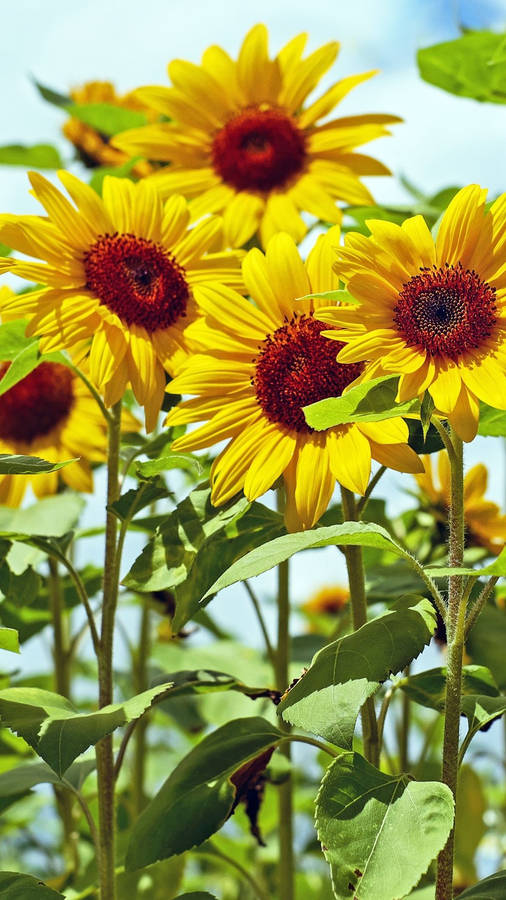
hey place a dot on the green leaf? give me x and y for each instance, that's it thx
(14, 886)
(52, 96)
(196, 895)
(272, 553)
(195, 544)
(36, 156)
(22, 779)
(57, 731)
(498, 567)
(198, 796)
(5, 250)
(429, 688)
(426, 409)
(332, 297)
(106, 118)
(132, 501)
(49, 517)
(327, 698)
(370, 401)
(203, 681)
(486, 642)
(9, 640)
(379, 832)
(492, 421)
(13, 339)
(100, 172)
(169, 461)
(491, 888)
(469, 825)
(474, 66)
(420, 443)
(14, 464)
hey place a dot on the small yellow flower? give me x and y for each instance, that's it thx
(122, 273)
(245, 139)
(261, 365)
(93, 147)
(485, 524)
(433, 312)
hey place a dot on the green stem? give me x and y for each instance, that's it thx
(140, 670)
(313, 742)
(362, 503)
(455, 630)
(404, 729)
(356, 580)
(61, 661)
(92, 389)
(104, 748)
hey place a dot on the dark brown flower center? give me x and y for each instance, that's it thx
(36, 404)
(259, 150)
(446, 311)
(138, 280)
(296, 366)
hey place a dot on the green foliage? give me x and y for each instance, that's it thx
(328, 697)
(492, 421)
(469, 826)
(52, 96)
(14, 886)
(22, 352)
(57, 731)
(491, 888)
(486, 643)
(195, 544)
(428, 688)
(9, 640)
(474, 66)
(371, 401)
(14, 464)
(360, 814)
(105, 117)
(332, 297)
(198, 796)
(167, 461)
(36, 156)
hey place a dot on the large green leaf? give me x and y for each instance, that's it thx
(105, 117)
(272, 553)
(198, 796)
(36, 156)
(195, 544)
(14, 464)
(9, 640)
(486, 642)
(14, 886)
(491, 888)
(474, 66)
(370, 401)
(328, 697)
(57, 731)
(379, 832)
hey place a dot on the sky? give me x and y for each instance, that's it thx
(443, 140)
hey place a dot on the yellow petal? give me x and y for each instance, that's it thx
(397, 456)
(74, 227)
(259, 77)
(350, 457)
(465, 417)
(241, 218)
(461, 226)
(315, 482)
(320, 261)
(270, 461)
(287, 273)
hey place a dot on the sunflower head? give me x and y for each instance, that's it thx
(93, 147)
(431, 311)
(247, 138)
(261, 362)
(121, 278)
(329, 600)
(485, 524)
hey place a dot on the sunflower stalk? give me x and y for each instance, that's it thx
(104, 748)
(455, 627)
(358, 602)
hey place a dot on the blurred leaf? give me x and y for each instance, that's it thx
(57, 731)
(469, 825)
(379, 832)
(327, 698)
(100, 172)
(486, 642)
(5, 250)
(9, 640)
(36, 156)
(51, 95)
(429, 688)
(14, 886)
(195, 544)
(473, 65)
(196, 895)
(198, 796)
(106, 118)
(492, 421)
(491, 888)
(272, 553)
(13, 464)
(50, 517)
(371, 401)
(25, 777)
(13, 339)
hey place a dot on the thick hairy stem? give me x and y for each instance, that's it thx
(455, 631)
(104, 749)
(356, 581)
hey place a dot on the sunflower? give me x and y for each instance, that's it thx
(50, 413)
(93, 147)
(262, 364)
(485, 524)
(122, 272)
(329, 600)
(243, 139)
(432, 312)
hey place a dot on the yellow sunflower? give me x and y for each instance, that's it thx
(122, 272)
(485, 524)
(433, 311)
(50, 413)
(327, 600)
(261, 365)
(244, 138)
(93, 147)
